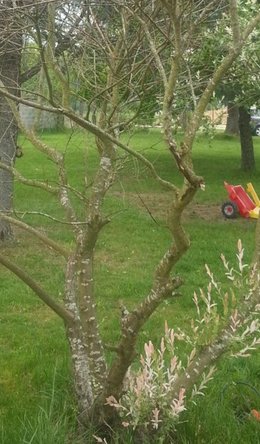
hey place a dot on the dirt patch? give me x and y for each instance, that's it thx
(157, 204)
(206, 212)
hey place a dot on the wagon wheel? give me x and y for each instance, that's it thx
(229, 210)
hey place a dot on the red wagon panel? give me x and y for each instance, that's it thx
(238, 195)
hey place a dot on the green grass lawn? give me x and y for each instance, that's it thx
(35, 390)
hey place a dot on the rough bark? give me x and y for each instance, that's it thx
(10, 62)
(232, 126)
(89, 322)
(246, 140)
(84, 338)
(80, 364)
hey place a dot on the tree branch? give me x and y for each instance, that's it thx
(62, 46)
(47, 241)
(131, 324)
(30, 182)
(234, 20)
(67, 317)
(91, 127)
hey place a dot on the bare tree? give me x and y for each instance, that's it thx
(123, 41)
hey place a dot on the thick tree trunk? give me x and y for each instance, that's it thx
(246, 140)
(10, 62)
(88, 363)
(232, 126)
(80, 363)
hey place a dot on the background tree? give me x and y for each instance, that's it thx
(232, 127)
(242, 85)
(18, 31)
(10, 62)
(241, 91)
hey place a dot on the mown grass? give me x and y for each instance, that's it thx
(32, 341)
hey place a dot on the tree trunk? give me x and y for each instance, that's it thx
(80, 363)
(10, 62)
(246, 140)
(88, 362)
(232, 126)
